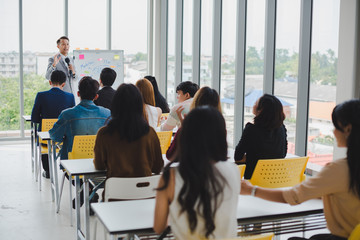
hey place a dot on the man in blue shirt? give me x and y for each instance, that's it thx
(84, 119)
(49, 104)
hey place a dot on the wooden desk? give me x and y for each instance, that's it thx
(137, 216)
(77, 168)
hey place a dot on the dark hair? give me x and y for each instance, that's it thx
(271, 114)
(57, 77)
(188, 87)
(108, 76)
(88, 88)
(160, 101)
(344, 114)
(206, 96)
(127, 113)
(202, 182)
(63, 37)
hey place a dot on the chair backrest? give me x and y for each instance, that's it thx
(130, 188)
(277, 173)
(165, 140)
(242, 170)
(46, 125)
(264, 236)
(355, 234)
(163, 117)
(83, 147)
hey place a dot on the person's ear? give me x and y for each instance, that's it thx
(78, 93)
(50, 82)
(96, 97)
(347, 130)
(63, 84)
(187, 95)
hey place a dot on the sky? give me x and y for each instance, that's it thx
(87, 29)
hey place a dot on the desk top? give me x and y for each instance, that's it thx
(125, 216)
(44, 135)
(27, 118)
(81, 167)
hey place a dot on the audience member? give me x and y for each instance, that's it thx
(127, 146)
(152, 114)
(61, 61)
(185, 93)
(338, 183)
(84, 119)
(205, 96)
(200, 195)
(160, 101)
(49, 104)
(106, 94)
(265, 138)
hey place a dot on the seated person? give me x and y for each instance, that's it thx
(152, 113)
(106, 94)
(200, 195)
(266, 138)
(160, 101)
(185, 93)
(338, 183)
(205, 96)
(127, 146)
(84, 119)
(49, 104)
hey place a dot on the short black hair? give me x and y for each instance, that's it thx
(63, 37)
(57, 77)
(188, 87)
(108, 76)
(88, 88)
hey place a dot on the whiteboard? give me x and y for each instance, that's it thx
(91, 62)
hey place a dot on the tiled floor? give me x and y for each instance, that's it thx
(26, 212)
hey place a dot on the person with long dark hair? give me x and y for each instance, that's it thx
(127, 146)
(160, 101)
(199, 195)
(338, 183)
(265, 138)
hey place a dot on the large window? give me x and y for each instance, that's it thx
(286, 63)
(171, 53)
(187, 40)
(9, 69)
(129, 33)
(323, 80)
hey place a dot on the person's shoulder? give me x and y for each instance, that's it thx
(103, 110)
(250, 125)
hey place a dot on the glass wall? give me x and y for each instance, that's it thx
(37, 50)
(171, 53)
(227, 83)
(323, 80)
(206, 42)
(9, 69)
(254, 63)
(287, 62)
(129, 33)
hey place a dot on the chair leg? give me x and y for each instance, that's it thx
(61, 189)
(70, 193)
(39, 170)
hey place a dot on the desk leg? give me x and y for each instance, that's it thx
(50, 161)
(87, 208)
(37, 150)
(54, 169)
(77, 204)
(32, 147)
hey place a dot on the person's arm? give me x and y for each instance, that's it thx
(241, 147)
(99, 152)
(159, 111)
(57, 133)
(171, 121)
(72, 68)
(274, 195)
(163, 201)
(53, 61)
(157, 162)
(35, 113)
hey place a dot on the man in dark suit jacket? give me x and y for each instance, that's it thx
(50, 104)
(106, 94)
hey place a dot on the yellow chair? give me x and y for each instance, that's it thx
(165, 140)
(265, 236)
(278, 173)
(83, 147)
(355, 234)
(46, 125)
(242, 170)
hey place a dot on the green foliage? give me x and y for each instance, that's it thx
(10, 98)
(139, 57)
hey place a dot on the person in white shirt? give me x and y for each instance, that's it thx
(185, 93)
